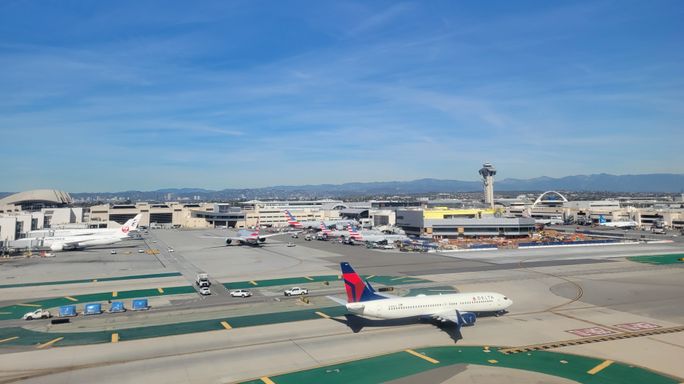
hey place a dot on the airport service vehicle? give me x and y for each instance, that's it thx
(296, 291)
(202, 280)
(658, 231)
(458, 308)
(204, 290)
(291, 244)
(141, 251)
(170, 249)
(293, 222)
(241, 293)
(132, 225)
(617, 224)
(37, 314)
(113, 252)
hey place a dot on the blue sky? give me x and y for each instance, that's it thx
(116, 95)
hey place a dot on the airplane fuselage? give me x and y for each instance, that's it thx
(396, 308)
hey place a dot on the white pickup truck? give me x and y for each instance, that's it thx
(296, 291)
(202, 280)
(37, 314)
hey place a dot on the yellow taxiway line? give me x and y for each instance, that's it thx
(226, 325)
(370, 277)
(600, 367)
(253, 282)
(266, 380)
(9, 339)
(70, 298)
(427, 358)
(49, 343)
(399, 278)
(161, 290)
(115, 337)
(29, 305)
(115, 294)
(323, 315)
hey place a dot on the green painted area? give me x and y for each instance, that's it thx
(30, 337)
(99, 279)
(292, 281)
(402, 364)
(659, 259)
(17, 311)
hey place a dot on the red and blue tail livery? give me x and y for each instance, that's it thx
(358, 290)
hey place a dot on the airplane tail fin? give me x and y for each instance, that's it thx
(291, 219)
(130, 225)
(358, 290)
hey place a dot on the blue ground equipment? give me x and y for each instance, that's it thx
(92, 309)
(117, 306)
(67, 311)
(140, 305)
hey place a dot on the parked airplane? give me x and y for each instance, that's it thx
(458, 308)
(293, 222)
(131, 223)
(327, 233)
(67, 243)
(373, 236)
(617, 224)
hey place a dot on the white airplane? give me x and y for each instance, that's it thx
(373, 236)
(86, 231)
(249, 237)
(68, 243)
(617, 224)
(326, 233)
(458, 308)
(293, 222)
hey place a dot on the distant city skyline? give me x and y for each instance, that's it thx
(126, 95)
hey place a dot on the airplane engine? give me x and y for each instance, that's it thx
(262, 239)
(57, 247)
(228, 241)
(469, 318)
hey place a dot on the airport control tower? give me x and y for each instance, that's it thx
(487, 171)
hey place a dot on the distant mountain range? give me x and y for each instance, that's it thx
(657, 182)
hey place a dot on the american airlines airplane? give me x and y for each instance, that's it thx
(458, 308)
(617, 224)
(293, 222)
(249, 237)
(373, 237)
(68, 243)
(87, 231)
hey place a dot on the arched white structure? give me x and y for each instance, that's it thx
(541, 197)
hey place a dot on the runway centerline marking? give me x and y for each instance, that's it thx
(9, 339)
(49, 343)
(115, 337)
(161, 290)
(426, 358)
(70, 298)
(323, 315)
(600, 367)
(266, 380)
(226, 325)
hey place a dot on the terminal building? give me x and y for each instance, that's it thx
(451, 223)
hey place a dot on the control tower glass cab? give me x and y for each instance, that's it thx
(487, 172)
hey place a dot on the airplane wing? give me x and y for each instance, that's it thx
(338, 300)
(457, 317)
